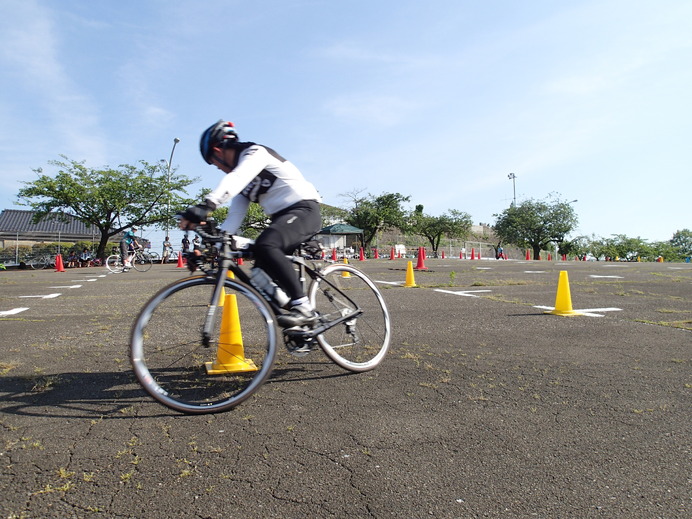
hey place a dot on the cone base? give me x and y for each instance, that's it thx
(562, 312)
(237, 366)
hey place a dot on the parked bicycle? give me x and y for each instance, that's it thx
(42, 261)
(207, 342)
(139, 260)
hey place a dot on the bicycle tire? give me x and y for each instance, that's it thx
(358, 344)
(114, 263)
(38, 263)
(141, 262)
(171, 362)
(154, 256)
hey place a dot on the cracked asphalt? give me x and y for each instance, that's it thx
(485, 406)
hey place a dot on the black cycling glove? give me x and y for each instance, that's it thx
(198, 213)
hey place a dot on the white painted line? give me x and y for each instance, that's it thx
(390, 282)
(534, 272)
(484, 268)
(68, 286)
(587, 312)
(613, 277)
(49, 296)
(83, 279)
(465, 293)
(12, 312)
(601, 310)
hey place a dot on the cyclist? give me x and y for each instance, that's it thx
(129, 240)
(256, 173)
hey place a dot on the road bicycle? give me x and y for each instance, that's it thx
(139, 260)
(206, 343)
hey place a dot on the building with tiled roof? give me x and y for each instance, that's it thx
(16, 226)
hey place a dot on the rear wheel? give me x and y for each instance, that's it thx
(176, 365)
(360, 342)
(114, 263)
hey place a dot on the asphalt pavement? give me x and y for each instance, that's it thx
(485, 407)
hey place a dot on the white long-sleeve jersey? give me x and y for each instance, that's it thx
(260, 175)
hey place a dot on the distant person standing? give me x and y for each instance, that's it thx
(166, 250)
(186, 244)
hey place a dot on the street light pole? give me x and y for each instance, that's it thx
(513, 178)
(168, 184)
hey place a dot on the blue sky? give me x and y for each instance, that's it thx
(436, 100)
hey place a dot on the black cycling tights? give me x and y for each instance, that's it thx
(289, 228)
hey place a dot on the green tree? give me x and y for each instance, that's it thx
(254, 222)
(452, 224)
(112, 200)
(536, 223)
(375, 214)
(682, 241)
(331, 214)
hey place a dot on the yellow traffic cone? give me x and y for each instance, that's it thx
(230, 353)
(563, 298)
(222, 295)
(410, 279)
(345, 273)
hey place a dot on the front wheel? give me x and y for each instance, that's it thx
(141, 262)
(185, 370)
(361, 340)
(114, 263)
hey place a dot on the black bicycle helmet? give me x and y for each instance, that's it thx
(217, 135)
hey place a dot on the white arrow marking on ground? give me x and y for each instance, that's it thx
(587, 312)
(465, 293)
(49, 296)
(68, 286)
(12, 312)
(614, 277)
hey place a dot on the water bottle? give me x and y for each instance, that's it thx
(262, 282)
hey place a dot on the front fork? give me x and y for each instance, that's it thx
(208, 330)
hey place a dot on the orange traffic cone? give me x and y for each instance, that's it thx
(180, 260)
(377, 254)
(391, 254)
(461, 254)
(59, 267)
(334, 255)
(473, 254)
(361, 257)
(421, 259)
(240, 261)
(527, 255)
(443, 254)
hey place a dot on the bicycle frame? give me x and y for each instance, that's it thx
(227, 264)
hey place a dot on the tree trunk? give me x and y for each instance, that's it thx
(100, 252)
(536, 252)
